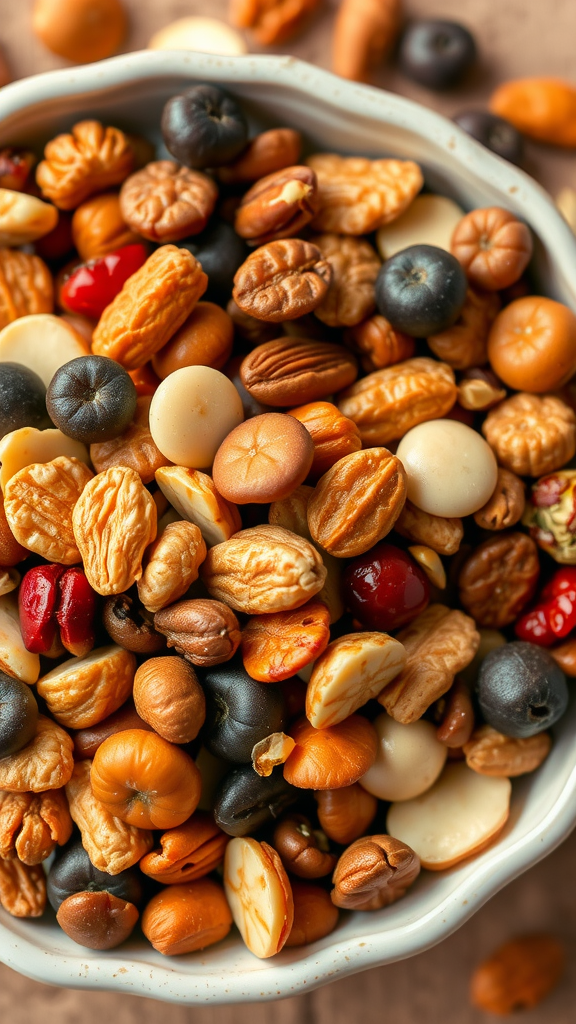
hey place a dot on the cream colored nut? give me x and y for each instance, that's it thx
(114, 521)
(32, 824)
(357, 196)
(203, 35)
(430, 562)
(111, 845)
(259, 895)
(275, 749)
(22, 888)
(408, 762)
(83, 691)
(9, 580)
(173, 564)
(44, 763)
(460, 816)
(352, 670)
(15, 660)
(430, 220)
(196, 499)
(263, 569)
(26, 446)
(442, 534)
(489, 752)
(42, 342)
(24, 218)
(566, 203)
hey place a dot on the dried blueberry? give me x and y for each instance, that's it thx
(22, 399)
(239, 712)
(493, 132)
(18, 715)
(92, 399)
(421, 290)
(204, 127)
(73, 872)
(436, 53)
(521, 690)
(245, 801)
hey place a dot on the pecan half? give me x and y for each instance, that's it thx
(165, 202)
(489, 752)
(441, 534)
(44, 763)
(355, 265)
(506, 506)
(25, 286)
(531, 434)
(31, 825)
(499, 578)
(205, 632)
(282, 281)
(357, 195)
(291, 371)
(90, 159)
(374, 872)
(277, 206)
(22, 888)
(173, 564)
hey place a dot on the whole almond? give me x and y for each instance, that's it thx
(293, 371)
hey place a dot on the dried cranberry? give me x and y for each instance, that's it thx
(385, 588)
(93, 285)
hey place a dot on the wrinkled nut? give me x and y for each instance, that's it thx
(355, 265)
(282, 280)
(153, 304)
(173, 564)
(499, 578)
(353, 670)
(386, 404)
(111, 844)
(134, 448)
(98, 227)
(358, 196)
(506, 506)
(277, 206)
(205, 632)
(287, 371)
(315, 916)
(531, 435)
(31, 826)
(263, 569)
(302, 851)
(272, 23)
(442, 535)
(24, 218)
(83, 691)
(97, 920)
(345, 814)
(364, 32)
(333, 434)
(457, 713)
(489, 752)
(519, 975)
(429, 561)
(374, 872)
(187, 852)
(357, 502)
(168, 696)
(114, 521)
(276, 646)
(15, 660)
(465, 344)
(480, 390)
(128, 627)
(44, 763)
(39, 501)
(275, 749)
(165, 202)
(11, 552)
(196, 499)
(90, 159)
(378, 344)
(333, 757)
(22, 888)
(185, 918)
(493, 247)
(266, 153)
(259, 895)
(439, 643)
(25, 286)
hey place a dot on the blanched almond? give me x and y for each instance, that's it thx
(26, 446)
(24, 218)
(15, 660)
(259, 895)
(409, 759)
(42, 342)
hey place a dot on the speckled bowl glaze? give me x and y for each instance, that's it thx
(130, 91)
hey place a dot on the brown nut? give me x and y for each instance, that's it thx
(291, 371)
(263, 459)
(531, 435)
(439, 643)
(11, 552)
(441, 534)
(134, 448)
(187, 852)
(22, 888)
(506, 506)
(315, 916)
(184, 918)
(205, 632)
(499, 578)
(272, 22)
(264, 569)
(378, 344)
(80, 30)
(355, 265)
(87, 741)
(205, 339)
(277, 206)
(129, 628)
(44, 763)
(266, 153)
(364, 32)
(25, 286)
(386, 404)
(519, 975)
(32, 825)
(302, 851)
(357, 502)
(333, 435)
(169, 697)
(480, 390)
(172, 565)
(374, 872)
(345, 814)
(358, 196)
(493, 247)
(97, 920)
(489, 752)
(282, 280)
(99, 228)
(457, 713)
(81, 692)
(165, 202)
(330, 758)
(89, 160)
(277, 646)
(465, 344)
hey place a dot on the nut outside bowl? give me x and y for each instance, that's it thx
(129, 91)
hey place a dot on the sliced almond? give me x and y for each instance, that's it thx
(15, 660)
(42, 342)
(84, 691)
(196, 499)
(259, 895)
(28, 445)
(458, 817)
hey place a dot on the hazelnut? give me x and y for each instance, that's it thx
(314, 914)
(169, 697)
(87, 741)
(97, 920)
(333, 757)
(345, 814)
(302, 851)
(206, 632)
(129, 627)
(374, 872)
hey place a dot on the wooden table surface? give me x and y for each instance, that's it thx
(515, 37)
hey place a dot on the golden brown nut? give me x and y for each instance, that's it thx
(205, 632)
(44, 763)
(97, 920)
(277, 206)
(205, 339)
(169, 697)
(441, 534)
(333, 434)
(172, 565)
(357, 195)
(151, 307)
(364, 31)
(187, 852)
(89, 160)
(25, 286)
(531, 435)
(315, 916)
(134, 449)
(265, 153)
(489, 752)
(87, 741)
(378, 344)
(99, 228)
(565, 656)
(165, 202)
(331, 758)
(345, 814)
(355, 265)
(303, 852)
(196, 499)
(39, 501)
(32, 825)
(374, 872)
(493, 247)
(499, 578)
(465, 344)
(277, 646)
(184, 918)
(80, 30)
(272, 21)
(506, 506)
(282, 281)
(290, 371)
(81, 692)
(22, 888)
(519, 975)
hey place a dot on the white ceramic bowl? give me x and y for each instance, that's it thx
(334, 115)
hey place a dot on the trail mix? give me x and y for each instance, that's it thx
(287, 532)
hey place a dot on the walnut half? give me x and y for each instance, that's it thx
(22, 888)
(31, 825)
